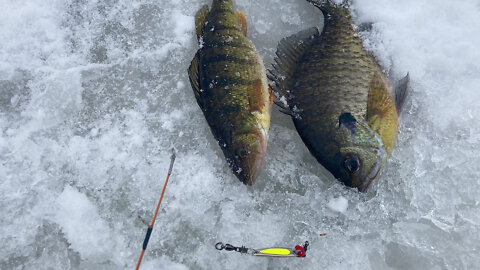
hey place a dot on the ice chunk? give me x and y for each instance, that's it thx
(339, 204)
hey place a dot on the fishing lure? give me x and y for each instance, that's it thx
(281, 252)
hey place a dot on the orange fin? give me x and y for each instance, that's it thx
(271, 96)
(242, 21)
(256, 96)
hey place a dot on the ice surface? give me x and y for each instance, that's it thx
(94, 94)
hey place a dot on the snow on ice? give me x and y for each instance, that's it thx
(94, 94)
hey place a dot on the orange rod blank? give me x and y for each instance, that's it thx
(150, 228)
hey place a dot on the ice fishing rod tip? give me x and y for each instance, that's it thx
(173, 160)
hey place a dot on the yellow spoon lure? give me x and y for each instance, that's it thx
(279, 252)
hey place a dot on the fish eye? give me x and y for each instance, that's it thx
(351, 164)
(240, 152)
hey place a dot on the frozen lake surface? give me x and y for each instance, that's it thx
(94, 94)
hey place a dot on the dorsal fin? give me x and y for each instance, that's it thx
(289, 52)
(401, 92)
(194, 79)
(200, 19)
(242, 21)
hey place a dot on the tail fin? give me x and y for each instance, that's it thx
(326, 6)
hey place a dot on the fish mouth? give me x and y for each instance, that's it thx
(369, 179)
(373, 173)
(250, 167)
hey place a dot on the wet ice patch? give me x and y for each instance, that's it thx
(262, 27)
(66, 86)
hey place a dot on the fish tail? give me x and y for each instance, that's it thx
(224, 15)
(327, 6)
(222, 4)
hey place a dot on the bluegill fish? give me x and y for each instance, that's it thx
(339, 99)
(230, 84)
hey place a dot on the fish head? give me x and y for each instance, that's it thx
(360, 153)
(358, 166)
(245, 155)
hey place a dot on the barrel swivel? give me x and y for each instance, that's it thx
(228, 247)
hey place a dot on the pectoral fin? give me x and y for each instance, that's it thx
(256, 97)
(242, 21)
(193, 75)
(365, 27)
(381, 111)
(401, 92)
(200, 19)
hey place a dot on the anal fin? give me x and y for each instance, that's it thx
(193, 75)
(242, 21)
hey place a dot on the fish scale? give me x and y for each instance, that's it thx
(334, 72)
